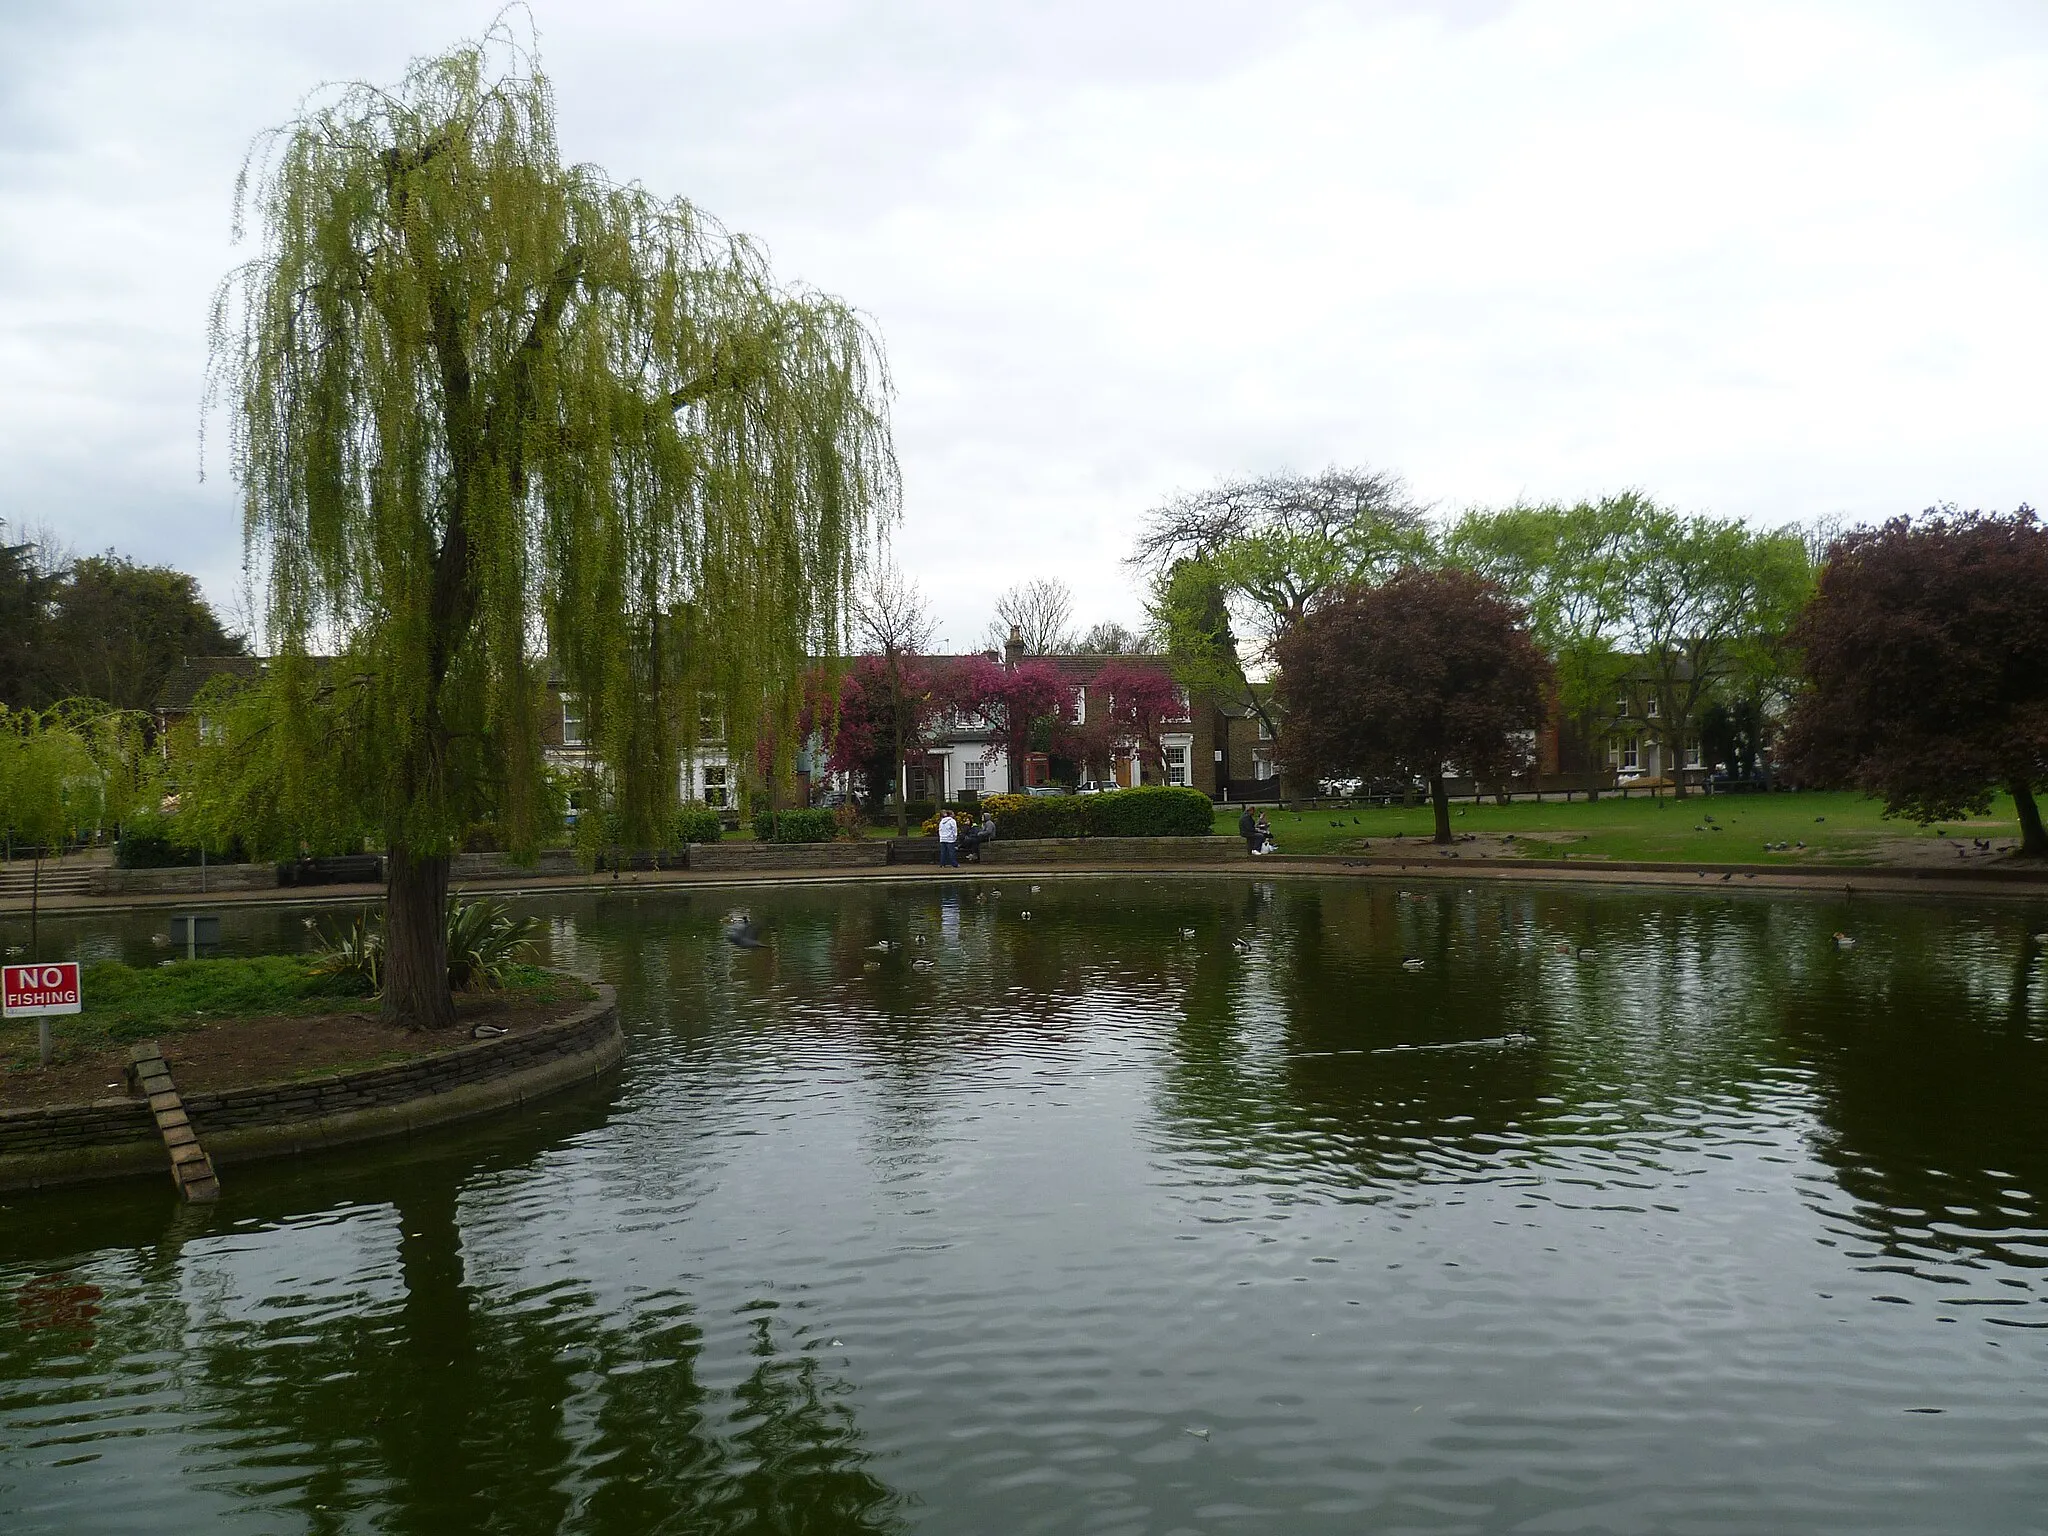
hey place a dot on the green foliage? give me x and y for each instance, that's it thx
(1037, 815)
(153, 840)
(1688, 609)
(796, 826)
(117, 629)
(354, 955)
(72, 769)
(485, 396)
(1154, 811)
(486, 946)
(248, 775)
(695, 824)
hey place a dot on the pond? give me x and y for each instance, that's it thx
(1142, 1205)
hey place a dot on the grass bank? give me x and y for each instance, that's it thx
(1717, 829)
(125, 1004)
(231, 1022)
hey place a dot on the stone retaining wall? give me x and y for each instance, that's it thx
(740, 856)
(1112, 850)
(73, 1142)
(184, 879)
(552, 864)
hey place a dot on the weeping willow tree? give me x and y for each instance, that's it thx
(496, 414)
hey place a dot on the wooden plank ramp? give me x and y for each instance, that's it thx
(191, 1169)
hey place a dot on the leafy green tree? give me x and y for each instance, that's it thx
(1704, 606)
(1565, 564)
(25, 591)
(1235, 567)
(74, 768)
(495, 409)
(117, 629)
(1693, 610)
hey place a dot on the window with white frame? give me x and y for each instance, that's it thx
(1262, 765)
(1177, 765)
(572, 720)
(1650, 706)
(1181, 707)
(1621, 702)
(974, 775)
(1080, 706)
(717, 789)
(1265, 730)
(1692, 753)
(1631, 753)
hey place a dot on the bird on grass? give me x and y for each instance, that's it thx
(742, 932)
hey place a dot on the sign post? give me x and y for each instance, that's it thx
(37, 992)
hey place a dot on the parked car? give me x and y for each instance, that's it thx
(1097, 786)
(1045, 789)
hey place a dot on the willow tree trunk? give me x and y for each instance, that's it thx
(416, 941)
(1440, 798)
(2033, 836)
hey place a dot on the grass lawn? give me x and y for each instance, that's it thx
(124, 1004)
(1844, 828)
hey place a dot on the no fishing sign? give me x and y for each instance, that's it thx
(31, 991)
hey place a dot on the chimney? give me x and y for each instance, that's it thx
(1013, 648)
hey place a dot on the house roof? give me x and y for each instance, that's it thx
(193, 673)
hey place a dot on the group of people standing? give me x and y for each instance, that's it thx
(955, 839)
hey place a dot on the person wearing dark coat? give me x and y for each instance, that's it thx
(1248, 829)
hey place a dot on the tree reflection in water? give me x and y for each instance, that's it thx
(446, 1409)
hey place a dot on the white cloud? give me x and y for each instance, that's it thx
(1772, 259)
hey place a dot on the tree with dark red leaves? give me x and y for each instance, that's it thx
(1432, 669)
(1131, 708)
(1925, 653)
(1011, 702)
(887, 709)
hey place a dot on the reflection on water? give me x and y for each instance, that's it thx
(1183, 1204)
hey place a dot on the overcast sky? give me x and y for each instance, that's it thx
(1777, 260)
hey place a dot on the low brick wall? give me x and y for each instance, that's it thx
(744, 856)
(1112, 850)
(552, 864)
(70, 1143)
(183, 880)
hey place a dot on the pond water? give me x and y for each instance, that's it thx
(1146, 1205)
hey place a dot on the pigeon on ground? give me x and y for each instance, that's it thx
(743, 932)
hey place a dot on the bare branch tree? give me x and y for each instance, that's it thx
(890, 616)
(1041, 611)
(1110, 638)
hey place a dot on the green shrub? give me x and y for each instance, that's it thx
(1036, 815)
(795, 826)
(152, 842)
(695, 824)
(486, 947)
(1157, 811)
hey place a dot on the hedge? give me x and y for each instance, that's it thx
(1036, 815)
(695, 824)
(1158, 811)
(795, 826)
